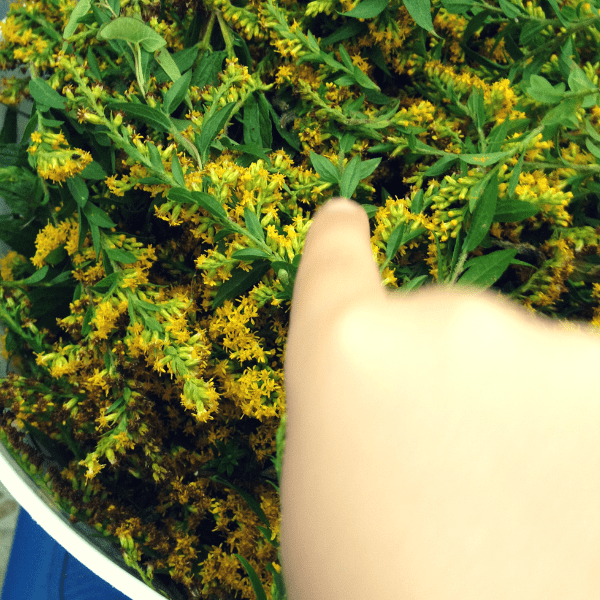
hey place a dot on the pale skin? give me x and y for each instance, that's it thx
(440, 445)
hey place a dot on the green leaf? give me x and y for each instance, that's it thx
(395, 241)
(554, 4)
(591, 131)
(484, 213)
(346, 58)
(121, 256)
(566, 111)
(155, 157)
(350, 177)
(97, 216)
(368, 166)
(579, 82)
(93, 64)
(107, 283)
(475, 23)
(35, 278)
(250, 254)
(211, 126)
(498, 135)
(152, 116)
(367, 9)
(183, 196)
(151, 323)
(413, 284)
(457, 7)
(240, 282)
(510, 10)
(253, 224)
(477, 108)
(206, 73)
(483, 160)
(167, 63)
(325, 168)
(44, 96)
(185, 58)
(348, 30)
(108, 266)
(312, 42)
(483, 271)
(79, 190)
(280, 445)
(363, 79)
(209, 204)
(530, 32)
(420, 11)
(513, 211)
(542, 90)
(133, 31)
(440, 166)
(95, 231)
(177, 170)
(94, 171)
(142, 303)
(177, 92)
(346, 144)
(62, 278)
(80, 11)
(255, 150)
(86, 326)
(266, 127)
(252, 130)
(254, 578)
(515, 176)
(592, 147)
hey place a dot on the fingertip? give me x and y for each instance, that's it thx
(341, 205)
(337, 264)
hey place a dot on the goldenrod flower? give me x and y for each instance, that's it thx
(54, 236)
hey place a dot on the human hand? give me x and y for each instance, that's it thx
(441, 445)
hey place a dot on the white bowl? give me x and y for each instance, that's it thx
(98, 554)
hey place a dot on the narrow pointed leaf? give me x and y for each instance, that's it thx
(484, 271)
(152, 116)
(253, 224)
(325, 168)
(240, 282)
(483, 215)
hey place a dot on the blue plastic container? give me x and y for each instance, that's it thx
(39, 568)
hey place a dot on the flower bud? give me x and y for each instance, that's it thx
(111, 456)
(93, 119)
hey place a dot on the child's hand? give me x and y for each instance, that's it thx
(440, 445)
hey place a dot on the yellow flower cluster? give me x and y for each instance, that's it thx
(29, 45)
(8, 264)
(148, 363)
(54, 158)
(65, 233)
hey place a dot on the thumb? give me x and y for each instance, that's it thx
(337, 265)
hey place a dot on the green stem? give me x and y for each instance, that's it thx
(459, 267)
(16, 328)
(550, 165)
(137, 58)
(586, 24)
(226, 36)
(204, 44)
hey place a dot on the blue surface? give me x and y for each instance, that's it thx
(41, 569)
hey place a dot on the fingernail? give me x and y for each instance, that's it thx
(340, 205)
